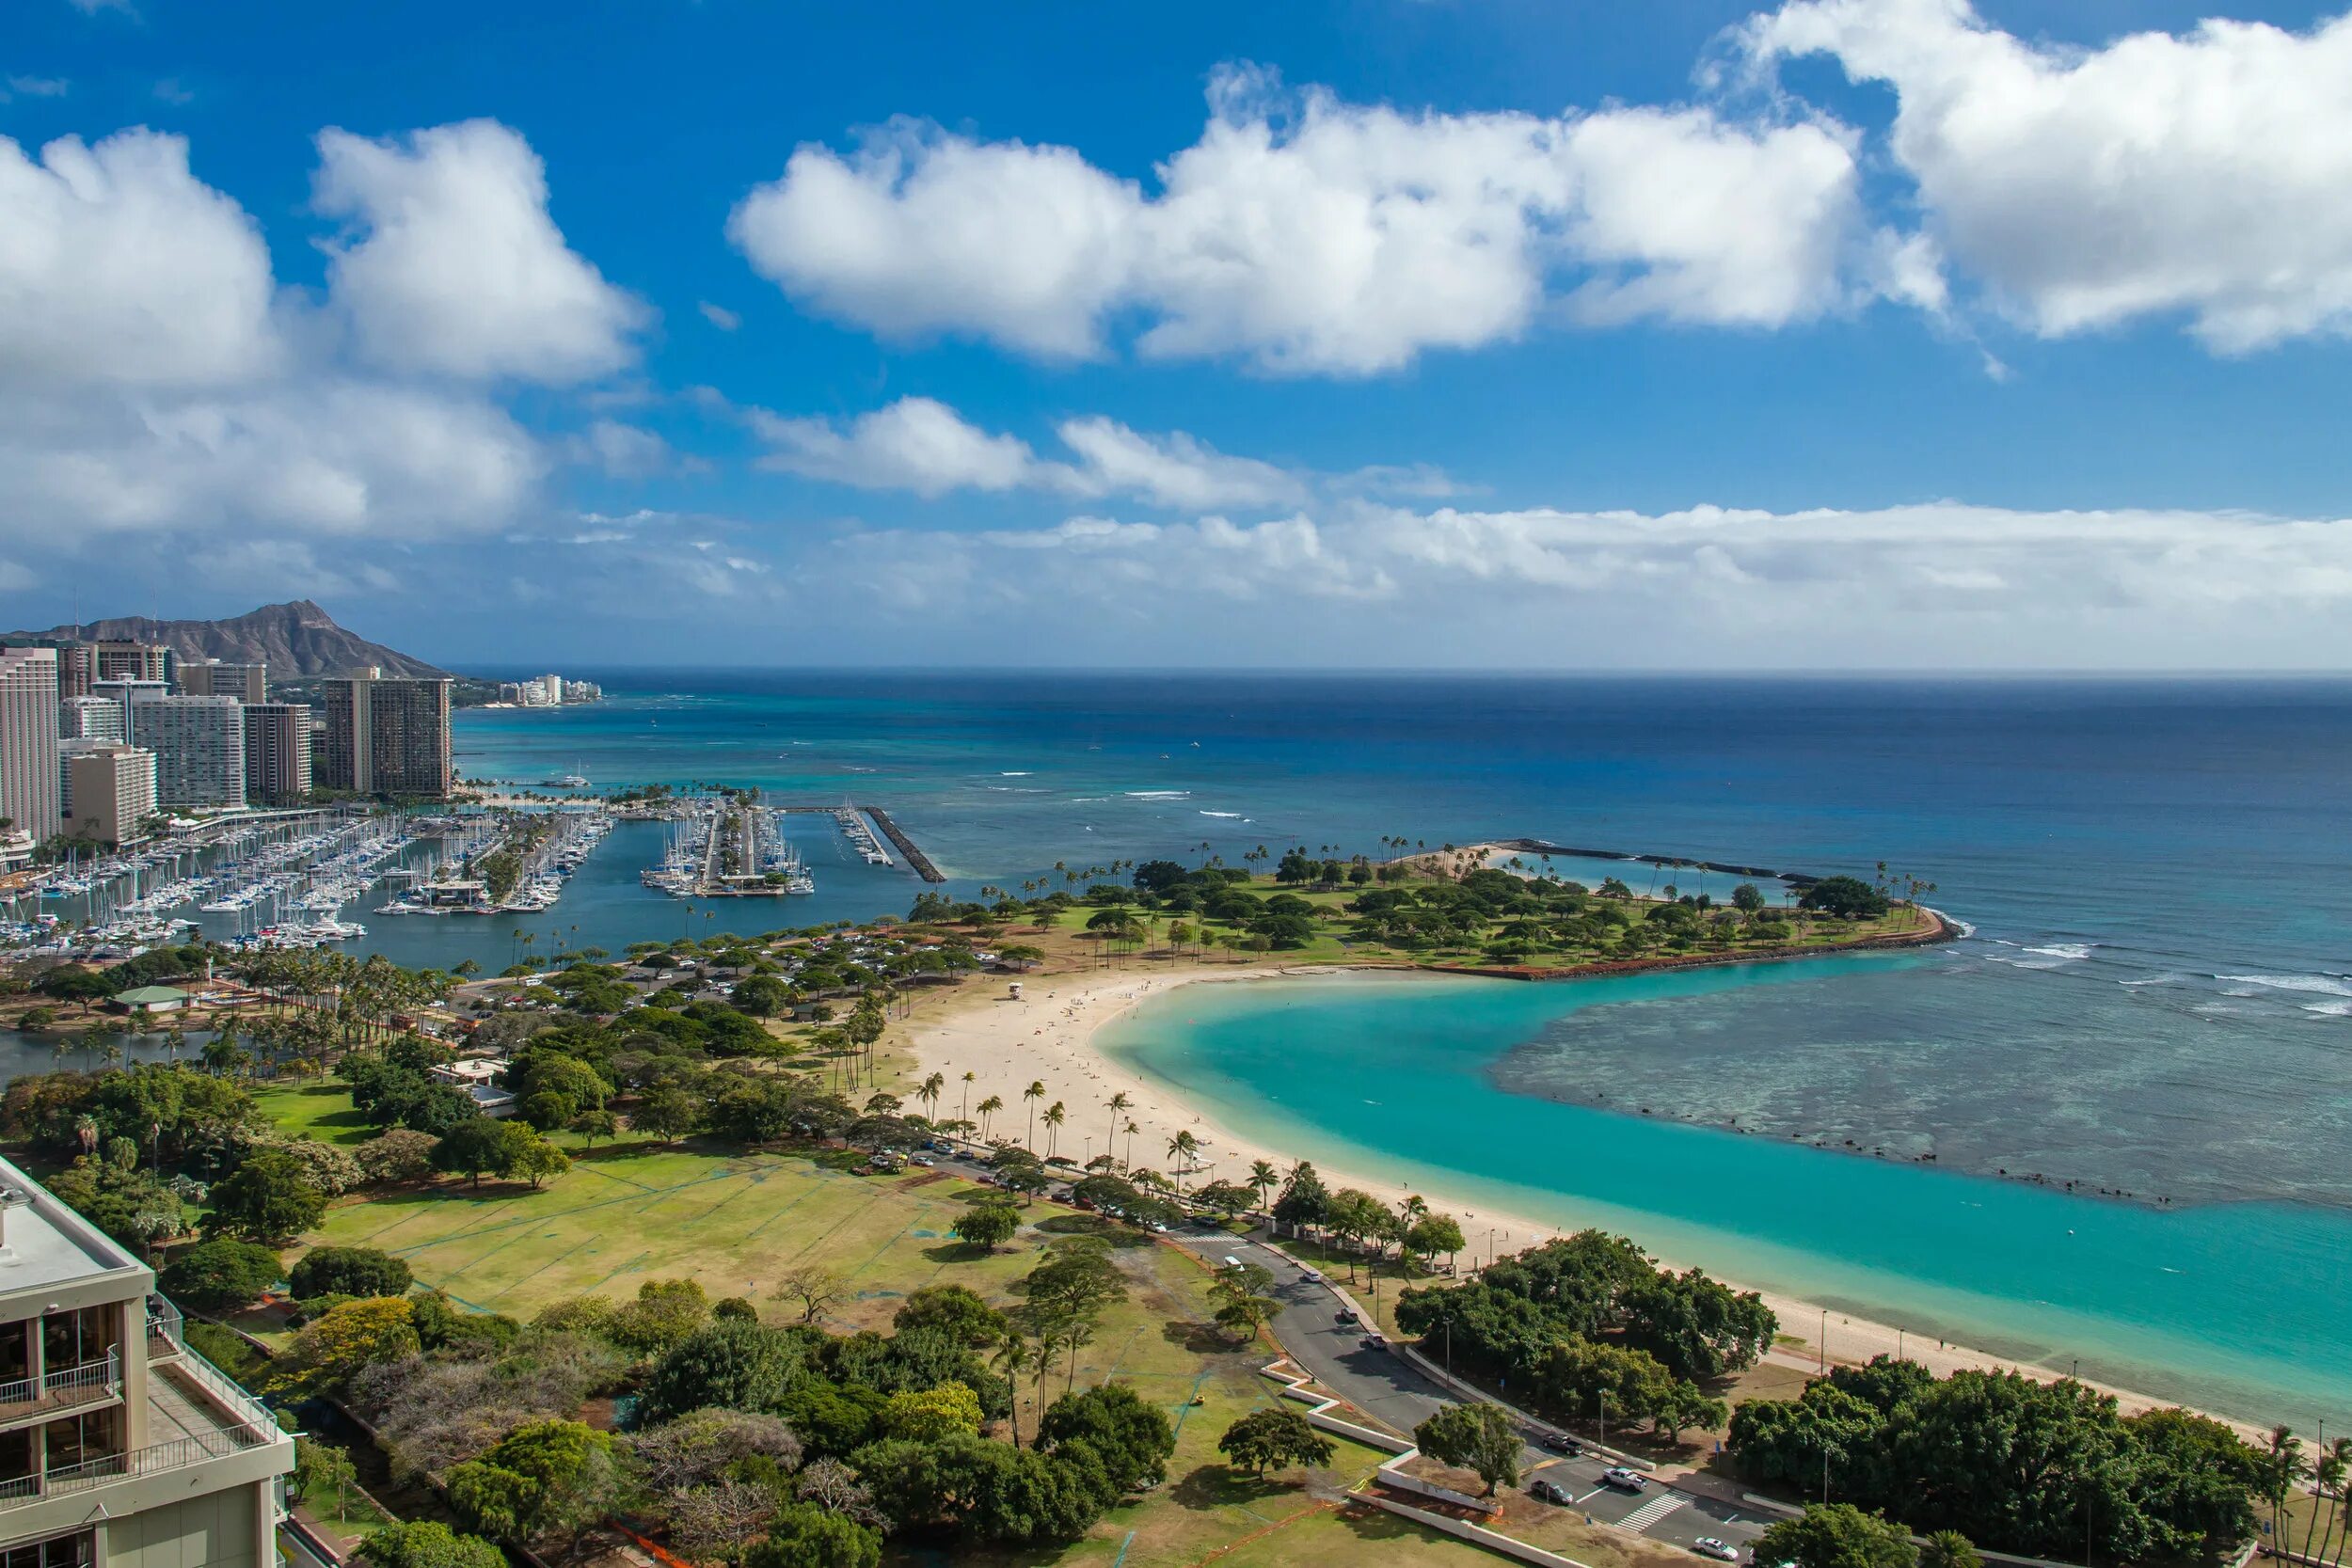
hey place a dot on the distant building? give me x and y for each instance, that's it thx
(276, 753)
(198, 744)
(90, 718)
(108, 790)
(247, 683)
(77, 666)
(386, 736)
(129, 692)
(144, 1000)
(28, 740)
(135, 662)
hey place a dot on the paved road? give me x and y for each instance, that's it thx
(1390, 1387)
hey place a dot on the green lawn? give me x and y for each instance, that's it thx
(317, 1107)
(735, 1222)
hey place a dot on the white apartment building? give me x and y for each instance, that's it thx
(28, 740)
(198, 744)
(90, 718)
(119, 1445)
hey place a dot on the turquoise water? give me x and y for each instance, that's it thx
(2236, 1307)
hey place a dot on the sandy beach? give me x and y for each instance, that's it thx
(1047, 1036)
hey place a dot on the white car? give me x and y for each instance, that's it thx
(1722, 1551)
(1623, 1480)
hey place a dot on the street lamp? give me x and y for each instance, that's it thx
(1821, 1349)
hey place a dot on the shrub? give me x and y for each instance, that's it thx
(220, 1275)
(348, 1271)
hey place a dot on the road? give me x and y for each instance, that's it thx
(1394, 1391)
(1391, 1388)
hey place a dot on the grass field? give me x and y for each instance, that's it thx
(737, 1222)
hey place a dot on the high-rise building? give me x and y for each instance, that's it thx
(129, 692)
(386, 736)
(198, 744)
(247, 683)
(90, 718)
(133, 661)
(108, 790)
(77, 666)
(276, 753)
(28, 740)
(120, 1445)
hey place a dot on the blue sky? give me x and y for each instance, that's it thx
(1842, 333)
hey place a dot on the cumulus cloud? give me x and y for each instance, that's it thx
(622, 451)
(923, 446)
(2201, 174)
(1937, 584)
(456, 267)
(1304, 234)
(119, 266)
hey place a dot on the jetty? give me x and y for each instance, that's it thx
(919, 861)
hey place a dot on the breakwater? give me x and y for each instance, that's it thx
(1540, 847)
(916, 858)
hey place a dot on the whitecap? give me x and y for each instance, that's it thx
(1012, 775)
(1088, 799)
(2069, 950)
(1159, 794)
(1220, 814)
(2166, 978)
(2323, 985)
(2329, 1009)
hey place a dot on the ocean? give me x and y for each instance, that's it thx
(2154, 997)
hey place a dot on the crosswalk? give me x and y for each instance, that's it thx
(1651, 1512)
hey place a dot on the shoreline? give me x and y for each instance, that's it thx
(1050, 1037)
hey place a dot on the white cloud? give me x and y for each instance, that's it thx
(917, 444)
(1940, 584)
(922, 445)
(35, 87)
(720, 316)
(2201, 174)
(118, 265)
(622, 451)
(1307, 235)
(456, 267)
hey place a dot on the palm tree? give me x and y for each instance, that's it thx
(989, 1108)
(1035, 1092)
(1948, 1549)
(1119, 1103)
(1014, 1358)
(2327, 1473)
(2340, 1453)
(1181, 1147)
(931, 1089)
(968, 1079)
(1055, 1116)
(1263, 1177)
(2283, 1466)
(1131, 1129)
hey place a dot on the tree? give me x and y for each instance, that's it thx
(1478, 1437)
(953, 1312)
(402, 1154)
(1948, 1549)
(592, 1125)
(805, 1535)
(762, 995)
(428, 1543)
(816, 1289)
(348, 1271)
(1432, 1234)
(1836, 1535)
(986, 1226)
(1747, 900)
(267, 1199)
(732, 1365)
(667, 1114)
(927, 1415)
(1847, 897)
(540, 1479)
(219, 1275)
(1272, 1438)
(1243, 1292)
(342, 1341)
(1130, 1440)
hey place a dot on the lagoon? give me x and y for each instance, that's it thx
(2232, 1306)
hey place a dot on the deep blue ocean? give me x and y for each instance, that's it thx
(2155, 996)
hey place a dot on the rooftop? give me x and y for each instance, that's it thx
(45, 1243)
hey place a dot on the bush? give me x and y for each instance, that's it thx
(220, 1275)
(803, 1535)
(403, 1154)
(428, 1544)
(348, 1271)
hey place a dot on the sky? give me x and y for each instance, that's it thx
(1528, 334)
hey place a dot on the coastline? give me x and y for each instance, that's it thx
(1050, 1037)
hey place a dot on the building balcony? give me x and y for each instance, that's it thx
(196, 1415)
(67, 1388)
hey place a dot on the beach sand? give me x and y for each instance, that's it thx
(1047, 1036)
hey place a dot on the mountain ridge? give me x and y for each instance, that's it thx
(297, 641)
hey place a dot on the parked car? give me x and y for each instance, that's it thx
(1722, 1551)
(1559, 1442)
(921, 1160)
(1549, 1490)
(1623, 1480)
